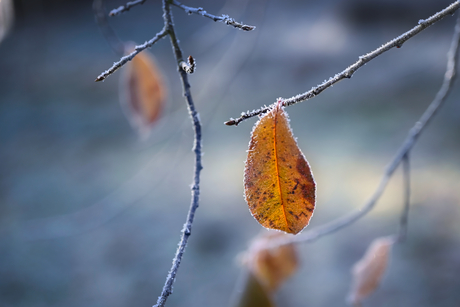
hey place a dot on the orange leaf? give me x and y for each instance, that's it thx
(142, 92)
(368, 272)
(279, 186)
(272, 266)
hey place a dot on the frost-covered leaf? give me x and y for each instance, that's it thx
(278, 183)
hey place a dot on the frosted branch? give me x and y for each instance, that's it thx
(224, 18)
(188, 67)
(130, 56)
(187, 229)
(348, 72)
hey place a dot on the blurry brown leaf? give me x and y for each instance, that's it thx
(6, 17)
(278, 184)
(253, 294)
(368, 272)
(142, 92)
(272, 266)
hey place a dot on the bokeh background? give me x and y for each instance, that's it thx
(90, 215)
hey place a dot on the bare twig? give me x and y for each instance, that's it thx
(112, 39)
(130, 56)
(414, 133)
(186, 231)
(125, 7)
(405, 213)
(224, 18)
(347, 73)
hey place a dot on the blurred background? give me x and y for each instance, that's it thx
(90, 215)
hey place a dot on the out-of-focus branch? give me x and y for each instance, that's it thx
(224, 18)
(405, 213)
(101, 18)
(125, 7)
(403, 151)
(130, 56)
(347, 73)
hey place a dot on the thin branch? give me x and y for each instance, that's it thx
(405, 213)
(125, 7)
(112, 39)
(347, 73)
(414, 133)
(186, 231)
(224, 18)
(130, 56)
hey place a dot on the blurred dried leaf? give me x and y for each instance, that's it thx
(253, 294)
(6, 17)
(368, 272)
(278, 184)
(142, 92)
(272, 266)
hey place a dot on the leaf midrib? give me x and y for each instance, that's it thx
(276, 110)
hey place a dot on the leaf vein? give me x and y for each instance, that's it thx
(275, 121)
